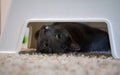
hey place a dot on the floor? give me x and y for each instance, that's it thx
(64, 64)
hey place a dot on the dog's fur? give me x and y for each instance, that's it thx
(62, 37)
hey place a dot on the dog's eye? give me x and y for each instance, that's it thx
(58, 36)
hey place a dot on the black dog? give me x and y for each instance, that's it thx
(62, 37)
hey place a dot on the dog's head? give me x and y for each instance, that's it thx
(52, 39)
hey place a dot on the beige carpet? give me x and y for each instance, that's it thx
(65, 64)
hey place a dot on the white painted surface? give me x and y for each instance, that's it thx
(60, 10)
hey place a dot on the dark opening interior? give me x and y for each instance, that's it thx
(29, 41)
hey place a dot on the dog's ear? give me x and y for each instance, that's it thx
(75, 45)
(37, 34)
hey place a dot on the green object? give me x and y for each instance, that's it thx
(25, 39)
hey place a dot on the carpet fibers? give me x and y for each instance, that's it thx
(64, 64)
